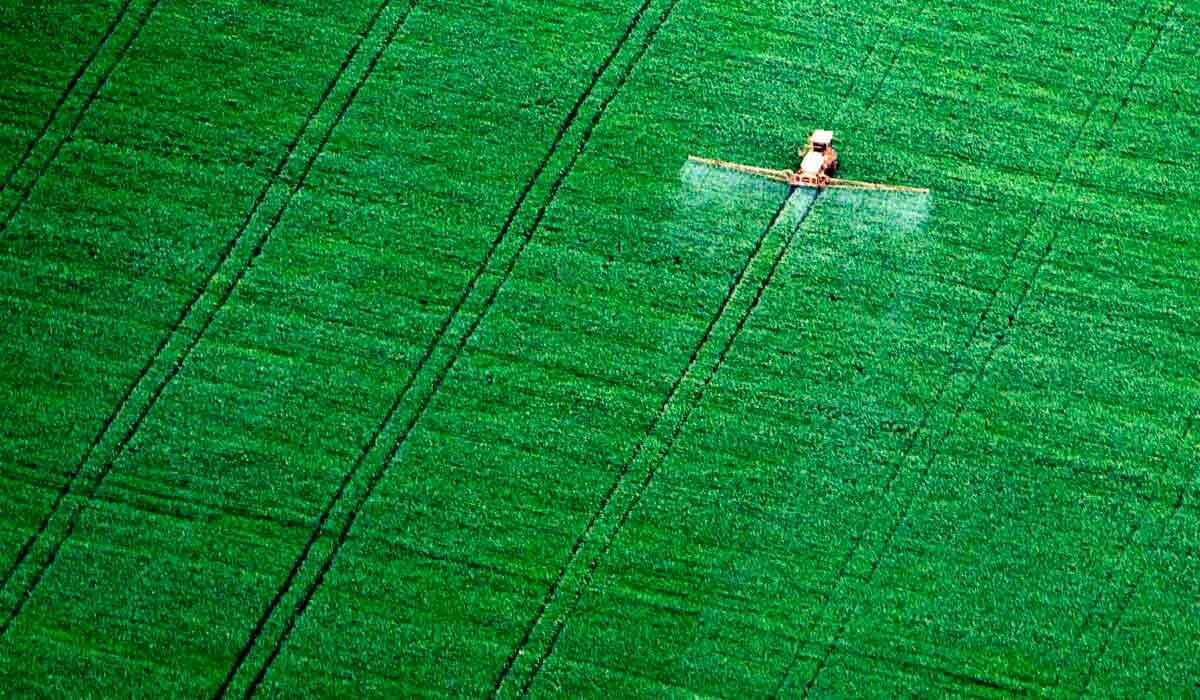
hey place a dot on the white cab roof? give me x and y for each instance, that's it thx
(822, 136)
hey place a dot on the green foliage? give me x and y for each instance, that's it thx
(396, 350)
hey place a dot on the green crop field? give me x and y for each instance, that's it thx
(394, 348)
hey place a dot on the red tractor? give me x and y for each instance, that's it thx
(818, 162)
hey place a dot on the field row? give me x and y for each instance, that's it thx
(366, 373)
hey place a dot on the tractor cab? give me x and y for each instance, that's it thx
(820, 140)
(818, 160)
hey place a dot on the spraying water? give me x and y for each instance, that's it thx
(866, 243)
(901, 213)
(703, 185)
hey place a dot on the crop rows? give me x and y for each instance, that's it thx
(392, 349)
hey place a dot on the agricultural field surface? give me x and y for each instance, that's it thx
(396, 348)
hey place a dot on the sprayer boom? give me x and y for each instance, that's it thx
(818, 161)
(839, 184)
(777, 175)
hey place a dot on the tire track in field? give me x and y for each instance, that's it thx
(993, 349)
(960, 357)
(593, 564)
(24, 551)
(956, 365)
(65, 94)
(23, 194)
(207, 315)
(688, 408)
(439, 378)
(1131, 590)
(625, 469)
(696, 397)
